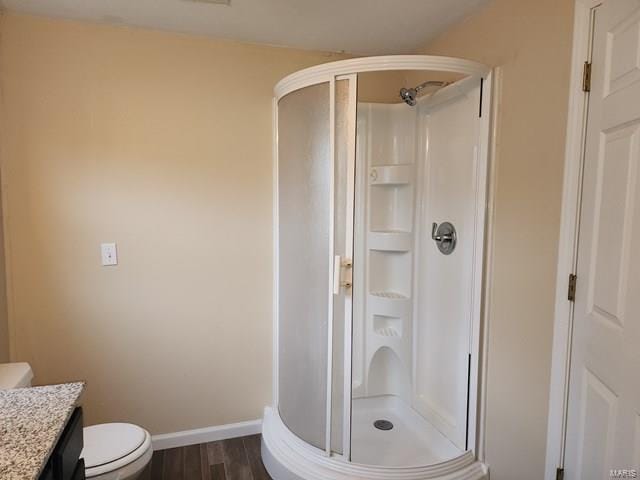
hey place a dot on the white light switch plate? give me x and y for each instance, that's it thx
(109, 254)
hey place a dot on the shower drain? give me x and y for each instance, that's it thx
(383, 424)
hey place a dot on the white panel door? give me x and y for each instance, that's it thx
(603, 430)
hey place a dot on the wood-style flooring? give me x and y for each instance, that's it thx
(233, 459)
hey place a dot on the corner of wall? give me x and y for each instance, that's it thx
(5, 343)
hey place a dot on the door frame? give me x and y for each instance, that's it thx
(568, 241)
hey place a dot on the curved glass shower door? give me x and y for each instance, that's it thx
(304, 250)
(315, 244)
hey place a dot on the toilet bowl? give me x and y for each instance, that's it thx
(112, 451)
(116, 451)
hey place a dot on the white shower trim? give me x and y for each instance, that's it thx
(286, 457)
(325, 72)
(204, 435)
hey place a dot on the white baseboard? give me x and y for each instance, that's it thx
(204, 435)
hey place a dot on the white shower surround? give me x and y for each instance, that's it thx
(286, 455)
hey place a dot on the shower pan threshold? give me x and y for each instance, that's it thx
(287, 457)
(412, 441)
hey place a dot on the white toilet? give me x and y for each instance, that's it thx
(116, 451)
(112, 451)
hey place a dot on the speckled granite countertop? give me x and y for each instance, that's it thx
(31, 421)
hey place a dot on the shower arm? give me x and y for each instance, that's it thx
(431, 83)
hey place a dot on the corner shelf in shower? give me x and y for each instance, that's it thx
(390, 295)
(390, 240)
(391, 304)
(387, 332)
(390, 175)
(387, 187)
(387, 326)
(390, 207)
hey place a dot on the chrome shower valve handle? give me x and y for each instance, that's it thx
(445, 237)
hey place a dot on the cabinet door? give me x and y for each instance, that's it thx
(67, 452)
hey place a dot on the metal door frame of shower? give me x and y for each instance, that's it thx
(348, 70)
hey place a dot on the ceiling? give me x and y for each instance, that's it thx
(365, 27)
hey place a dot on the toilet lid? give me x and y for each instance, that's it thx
(109, 442)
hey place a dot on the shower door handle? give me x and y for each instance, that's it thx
(338, 264)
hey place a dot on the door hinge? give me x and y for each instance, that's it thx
(559, 473)
(571, 295)
(586, 77)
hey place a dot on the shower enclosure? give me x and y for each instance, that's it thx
(379, 210)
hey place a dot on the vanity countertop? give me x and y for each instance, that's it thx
(31, 422)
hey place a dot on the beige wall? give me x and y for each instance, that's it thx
(531, 42)
(161, 143)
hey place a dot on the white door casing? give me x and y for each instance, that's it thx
(603, 423)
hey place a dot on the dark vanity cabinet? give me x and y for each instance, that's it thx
(65, 462)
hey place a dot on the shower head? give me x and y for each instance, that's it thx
(410, 95)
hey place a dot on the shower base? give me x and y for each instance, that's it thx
(287, 457)
(412, 441)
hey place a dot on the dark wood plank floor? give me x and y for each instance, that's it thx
(233, 459)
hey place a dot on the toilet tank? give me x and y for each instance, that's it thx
(15, 375)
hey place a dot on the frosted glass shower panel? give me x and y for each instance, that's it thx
(343, 234)
(304, 227)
